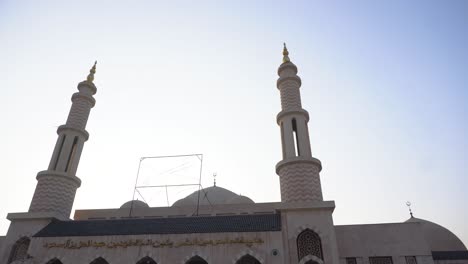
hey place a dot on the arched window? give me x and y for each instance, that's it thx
(196, 260)
(311, 262)
(308, 243)
(146, 260)
(248, 259)
(99, 261)
(19, 250)
(54, 261)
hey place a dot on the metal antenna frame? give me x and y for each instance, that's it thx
(135, 188)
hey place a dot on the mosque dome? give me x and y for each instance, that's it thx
(438, 237)
(213, 195)
(239, 199)
(134, 204)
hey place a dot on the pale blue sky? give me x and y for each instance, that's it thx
(385, 84)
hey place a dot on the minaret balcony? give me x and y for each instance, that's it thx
(74, 131)
(86, 85)
(282, 80)
(291, 113)
(298, 160)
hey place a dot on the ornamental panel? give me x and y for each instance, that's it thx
(20, 250)
(309, 243)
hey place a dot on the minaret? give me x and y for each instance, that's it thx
(56, 187)
(298, 171)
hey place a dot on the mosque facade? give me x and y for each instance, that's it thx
(226, 228)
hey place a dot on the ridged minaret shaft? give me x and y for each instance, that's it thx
(298, 171)
(56, 187)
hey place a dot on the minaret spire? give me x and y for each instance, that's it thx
(298, 170)
(90, 77)
(56, 186)
(285, 54)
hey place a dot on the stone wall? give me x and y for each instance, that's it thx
(395, 240)
(214, 248)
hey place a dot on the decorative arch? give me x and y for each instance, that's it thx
(99, 260)
(54, 261)
(248, 252)
(19, 251)
(146, 260)
(309, 243)
(309, 259)
(195, 255)
(302, 228)
(248, 259)
(196, 260)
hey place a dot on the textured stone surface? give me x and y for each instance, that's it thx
(300, 181)
(54, 193)
(79, 112)
(298, 171)
(395, 239)
(56, 187)
(290, 97)
(227, 253)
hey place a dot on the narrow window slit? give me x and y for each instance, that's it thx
(282, 140)
(296, 138)
(59, 152)
(72, 154)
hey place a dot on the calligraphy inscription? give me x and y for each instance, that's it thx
(70, 244)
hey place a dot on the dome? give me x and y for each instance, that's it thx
(239, 199)
(438, 237)
(134, 204)
(213, 195)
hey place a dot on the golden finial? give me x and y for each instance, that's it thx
(285, 54)
(91, 73)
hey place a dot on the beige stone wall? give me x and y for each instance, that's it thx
(300, 181)
(290, 96)
(79, 111)
(396, 240)
(295, 218)
(212, 253)
(317, 219)
(18, 229)
(55, 192)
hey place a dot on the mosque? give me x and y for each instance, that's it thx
(227, 228)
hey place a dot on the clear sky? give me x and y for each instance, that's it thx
(385, 83)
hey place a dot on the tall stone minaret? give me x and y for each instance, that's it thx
(56, 186)
(298, 171)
